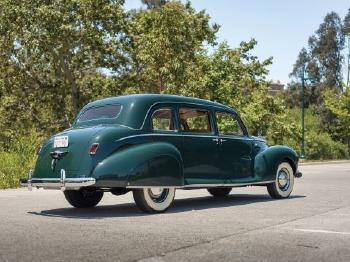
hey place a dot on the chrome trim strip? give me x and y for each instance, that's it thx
(209, 185)
(230, 185)
(167, 134)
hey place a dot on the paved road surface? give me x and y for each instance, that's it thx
(313, 225)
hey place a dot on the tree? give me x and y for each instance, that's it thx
(235, 77)
(163, 46)
(49, 48)
(153, 3)
(339, 105)
(321, 62)
(307, 67)
(326, 48)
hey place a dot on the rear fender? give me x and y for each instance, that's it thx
(267, 161)
(150, 164)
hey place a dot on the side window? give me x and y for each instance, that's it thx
(195, 120)
(163, 119)
(228, 124)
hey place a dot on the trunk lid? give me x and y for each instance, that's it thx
(75, 159)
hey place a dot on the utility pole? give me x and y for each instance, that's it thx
(348, 77)
(302, 155)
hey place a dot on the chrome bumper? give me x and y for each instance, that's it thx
(298, 174)
(62, 183)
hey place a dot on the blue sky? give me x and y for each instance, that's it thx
(281, 27)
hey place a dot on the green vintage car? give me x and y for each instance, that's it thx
(153, 144)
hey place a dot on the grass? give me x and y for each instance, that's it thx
(16, 161)
(13, 167)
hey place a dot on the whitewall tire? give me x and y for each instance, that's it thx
(154, 199)
(284, 182)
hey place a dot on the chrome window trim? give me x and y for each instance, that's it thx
(216, 107)
(236, 118)
(185, 103)
(211, 121)
(87, 121)
(164, 130)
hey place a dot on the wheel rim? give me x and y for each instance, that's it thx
(283, 179)
(158, 194)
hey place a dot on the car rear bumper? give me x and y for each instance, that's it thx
(298, 174)
(62, 183)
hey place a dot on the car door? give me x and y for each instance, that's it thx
(235, 148)
(200, 147)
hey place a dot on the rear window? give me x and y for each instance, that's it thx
(101, 112)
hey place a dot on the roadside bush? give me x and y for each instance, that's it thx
(319, 145)
(18, 159)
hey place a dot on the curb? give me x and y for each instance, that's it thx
(330, 162)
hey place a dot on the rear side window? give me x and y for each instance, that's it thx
(195, 120)
(100, 112)
(163, 119)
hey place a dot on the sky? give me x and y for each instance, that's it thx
(281, 27)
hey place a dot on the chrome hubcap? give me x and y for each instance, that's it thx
(158, 194)
(283, 179)
(156, 191)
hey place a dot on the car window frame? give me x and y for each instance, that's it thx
(173, 112)
(82, 112)
(237, 118)
(211, 120)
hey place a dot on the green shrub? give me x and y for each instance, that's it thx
(319, 145)
(18, 159)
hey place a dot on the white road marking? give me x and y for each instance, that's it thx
(322, 231)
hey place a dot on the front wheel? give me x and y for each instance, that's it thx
(155, 199)
(284, 182)
(83, 198)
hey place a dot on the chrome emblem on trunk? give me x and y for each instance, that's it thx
(56, 155)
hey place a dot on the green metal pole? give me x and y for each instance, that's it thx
(302, 155)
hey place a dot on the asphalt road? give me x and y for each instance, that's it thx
(312, 225)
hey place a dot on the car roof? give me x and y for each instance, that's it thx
(137, 105)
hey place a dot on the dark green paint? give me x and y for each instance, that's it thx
(131, 154)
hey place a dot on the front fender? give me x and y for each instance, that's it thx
(267, 161)
(150, 164)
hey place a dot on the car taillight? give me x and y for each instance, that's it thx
(93, 148)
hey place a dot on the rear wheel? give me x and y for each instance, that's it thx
(83, 198)
(284, 182)
(155, 199)
(220, 192)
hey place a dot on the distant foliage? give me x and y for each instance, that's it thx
(339, 106)
(319, 145)
(322, 65)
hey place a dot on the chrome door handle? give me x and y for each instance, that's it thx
(216, 140)
(222, 140)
